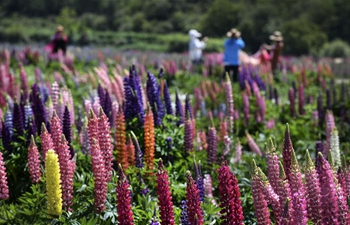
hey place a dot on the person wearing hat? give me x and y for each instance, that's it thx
(232, 46)
(195, 47)
(58, 42)
(275, 49)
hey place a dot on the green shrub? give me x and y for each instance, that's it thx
(335, 49)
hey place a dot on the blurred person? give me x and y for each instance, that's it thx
(58, 42)
(232, 46)
(275, 49)
(195, 47)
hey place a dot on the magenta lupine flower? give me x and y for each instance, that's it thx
(291, 97)
(270, 124)
(164, 196)
(261, 210)
(212, 146)
(34, 162)
(315, 118)
(343, 214)
(188, 139)
(229, 193)
(261, 107)
(67, 168)
(287, 152)
(4, 189)
(284, 193)
(246, 111)
(229, 103)
(301, 98)
(194, 210)
(46, 141)
(299, 214)
(329, 203)
(238, 152)
(93, 127)
(252, 145)
(342, 180)
(98, 169)
(313, 191)
(56, 131)
(124, 200)
(105, 142)
(285, 218)
(329, 127)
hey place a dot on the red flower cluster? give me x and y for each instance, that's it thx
(194, 210)
(124, 200)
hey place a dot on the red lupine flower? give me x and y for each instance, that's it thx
(230, 202)
(105, 141)
(46, 141)
(98, 169)
(287, 152)
(313, 191)
(34, 162)
(56, 130)
(194, 209)
(164, 196)
(124, 200)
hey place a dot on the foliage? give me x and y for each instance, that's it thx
(336, 48)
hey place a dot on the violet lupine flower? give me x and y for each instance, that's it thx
(154, 99)
(9, 122)
(287, 152)
(105, 142)
(252, 145)
(329, 127)
(101, 94)
(167, 100)
(212, 146)
(4, 189)
(38, 108)
(138, 153)
(229, 103)
(124, 205)
(299, 214)
(188, 108)
(28, 113)
(320, 109)
(246, 107)
(229, 193)
(313, 191)
(194, 210)
(34, 162)
(56, 131)
(328, 99)
(184, 214)
(164, 196)
(134, 86)
(98, 169)
(67, 130)
(46, 141)
(133, 105)
(318, 148)
(161, 73)
(199, 180)
(291, 97)
(18, 124)
(329, 203)
(188, 138)
(261, 210)
(107, 107)
(179, 110)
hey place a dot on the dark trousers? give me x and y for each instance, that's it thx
(233, 72)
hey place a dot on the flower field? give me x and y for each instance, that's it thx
(103, 137)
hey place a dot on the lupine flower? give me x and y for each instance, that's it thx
(93, 127)
(179, 110)
(261, 210)
(260, 101)
(164, 196)
(341, 177)
(31, 131)
(246, 107)
(291, 97)
(105, 142)
(167, 100)
(188, 136)
(49, 109)
(149, 142)
(188, 108)
(120, 140)
(18, 124)
(238, 152)
(9, 122)
(84, 139)
(328, 99)
(24, 82)
(108, 107)
(46, 141)
(318, 148)
(67, 168)
(98, 169)
(4, 190)
(212, 146)
(285, 218)
(313, 191)
(184, 214)
(301, 99)
(329, 203)
(28, 114)
(67, 130)
(39, 111)
(55, 93)
(199, 180)
(343, 214)
(101, 94)
(154, 99)
(208, 188)
(34, 162)
(334, 146)
(252, 145)
(287, 152)
(194, 210)
(230, 202)
(125, 215)
(138, 153)
(154, 220)
(320, 109)
(53, 186)
(229, 102)
(169, 148)
(56, 131)
(329, 128)
(130, 150)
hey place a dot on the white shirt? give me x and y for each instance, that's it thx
(195, 48)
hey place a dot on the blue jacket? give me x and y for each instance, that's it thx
(231, 54)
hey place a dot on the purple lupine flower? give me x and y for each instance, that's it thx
(329, 203)
(291, 97)
(328, 99)
(188, 108)
(320, 109)
(276, 95)
(38, 107)
(133, 105)
(9, 122)
(199, 180)
(319, 148)
(6, 139)
(179, 110)
(102, 95)
(287, 152)
(212, 146)
(28, 113)
(246, 107)
(18, 124)
(154, 99)
(135, 85)
(188, 136)
(67, 130)
(161, 73)
(138, 153)
(329, 127)
(107, 107)
(184, 215)
(167, 100)
(301, 102)
(31, 131)
(79, 122)
(313, 191)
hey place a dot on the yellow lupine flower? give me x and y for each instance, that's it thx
(53, 186)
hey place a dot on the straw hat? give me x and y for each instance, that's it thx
(59, 28)
(276, 36)
(233, 33)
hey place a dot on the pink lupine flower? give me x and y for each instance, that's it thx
(299, 214)
(208, 188)
(212, 146)
(252, 145)
(124, 206)
(341, 177)
(96, 105)
(238, 152)
(55, 93)
(34, 161)
(105, 142)
(93, 127)
(98, 169)
(46, 141)
(343, 214)
(270, 124)
(56, 131)
(229, 193)
(315, 118)
(194, 210)
(313, 191)
(87, 106)
(49, 109)
(246, 112)
(164, 196)
(287, 152)
(261, 210)
(329, 127)
(229, 103)
(188, 139)
(329, 203)
(4, 189)
(261, 107)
